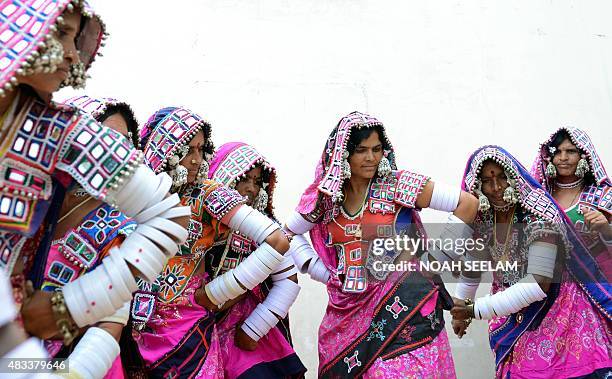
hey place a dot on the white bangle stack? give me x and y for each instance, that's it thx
(121, 316)
(541, 259)
(510, 300)
(248, 274)
(94, 355)
(444, 197)
(285, 269)
(302, 252)
(101, 292)
(318, 271)
(297, 224)
(281, 297)
(304, 255)
(252, 224)
(467, 287)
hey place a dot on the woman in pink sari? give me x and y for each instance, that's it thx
(569, 167)
(377, 324)
(549, 316)
(239, 166)
(175, 317)
(87, 229)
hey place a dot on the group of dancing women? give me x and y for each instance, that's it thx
(147, 251)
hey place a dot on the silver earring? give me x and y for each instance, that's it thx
(551, 170)
(346, 167)
(511, 193)
(203, 171)
(483, 201)
(179, 176)
(261, 201)
(583, 167)
(76, 76)
(384, 166)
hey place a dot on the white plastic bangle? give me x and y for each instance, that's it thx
(302, 252)
(444, 198)
(541, 259)
(297, 224)
(467, 287)
(176, 212)
(249, 332)
(252, 224)
(318, 271)
(157, 209)
(286, 263)
(113, 283)
(144, 255)
(222, 287)
(164, 185)
(77, 304)
(515, 300)
(241, 213)
(255, 267)
(219, 291)
(131, 198)
(97, 351)
(166, 243)
(245, 278)
(268, 260)
(267, 315)
(119, 266)
(250, 323)
(171, 228)
(259, 324)
(142, 175)
(284, 274)
(121, 316)
(98, 302)
(268, 250)
(499, 306)
(233, 285)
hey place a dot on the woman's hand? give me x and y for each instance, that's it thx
(37, 314)
(243, 341)
(597, 222)
(460, 311)
(460, 327)
(202, 299)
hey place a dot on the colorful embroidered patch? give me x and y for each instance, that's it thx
(352, 361)
(409, 186)
(377, 330)
(96, 156)
(355, 280)
(104, 224)
(143, 306)
(175, 277)
(221, 200)
(396, 308)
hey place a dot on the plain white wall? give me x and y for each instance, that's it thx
(444, 76)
